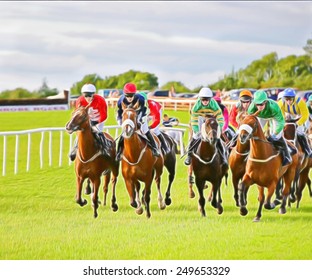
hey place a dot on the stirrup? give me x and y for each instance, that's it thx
(155, 152)
(188, 161)
(72, 156)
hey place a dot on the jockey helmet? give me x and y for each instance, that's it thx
(260, 96)
(88, 88)
(217, 98)
(280, 95)
(289, 92)
(129, 89)
(205, 92)
(245, 95)
(143, 94)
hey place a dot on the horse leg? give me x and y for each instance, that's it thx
(171, 178)
(309, 186)
(114, 204)
(147, 198)
(131, 191)
(243, 187)
(191, 181)
(200, 184)
(304, 179)
(79, 183)
(161, 203)
(271, 189)
(235, 181)
(261, 201)
(95, 197)
(105, 186)
(88, 187)
(217, 203)
(139, 208)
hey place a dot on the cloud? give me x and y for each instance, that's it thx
(192, 42)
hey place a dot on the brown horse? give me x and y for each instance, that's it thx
(237, 163)
(90, 163)
(206, 163)
(264, 168)
(138, 163)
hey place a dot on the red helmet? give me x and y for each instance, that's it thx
(129, 88)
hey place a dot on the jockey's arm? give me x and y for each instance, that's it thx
(304, 112)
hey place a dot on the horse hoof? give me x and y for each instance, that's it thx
(214, 204)
(277, 202)
(256, 219)
(191, 194)
(82, 202)
(162, 206)
(220, 210)
(168, 201)
(269, 206)
(139, 211)
(282, 211)
(115, 208)
(292, 199)
(148, 215)
(95, 215)
(134, 204)
(243, 211)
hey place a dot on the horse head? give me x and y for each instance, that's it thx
(79, 117)
(129, 120)
(248, 128)
(290, 127)
(210, 130)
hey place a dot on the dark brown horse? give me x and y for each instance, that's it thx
(264, 168)
(138, 163)
(170, 164)
(206, 163)
(90, 163)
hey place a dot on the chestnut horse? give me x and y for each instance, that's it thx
(138, 163)
(206, 163)
(90, 163)
(264, 168)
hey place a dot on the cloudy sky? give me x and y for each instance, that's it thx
(192, 42)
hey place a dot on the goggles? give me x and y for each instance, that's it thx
(261, 104)
(205, 99)
(88, 94)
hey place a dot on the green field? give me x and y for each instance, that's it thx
(39, 219)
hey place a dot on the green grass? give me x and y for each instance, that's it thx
(39, 219)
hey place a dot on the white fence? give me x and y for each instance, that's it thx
(49, 132)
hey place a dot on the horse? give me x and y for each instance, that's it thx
(263, 167)
(170, 164)
(90, 163)
(138, 163)
(237, 163)
(206, 164)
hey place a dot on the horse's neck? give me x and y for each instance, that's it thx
(133, 145)
(86, 145)
(205, 149)
(260, 146)
(242, 148)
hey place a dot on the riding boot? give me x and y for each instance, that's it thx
(163, 143)
(304, 144)
(222, 151)
(282, 146)
(192, 146)
(119, 148)
(73, 153)
(153, 144)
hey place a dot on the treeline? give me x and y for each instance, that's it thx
(269, 71)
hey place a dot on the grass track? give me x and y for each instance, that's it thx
(39, 219)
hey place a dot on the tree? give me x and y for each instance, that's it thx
(308, 47)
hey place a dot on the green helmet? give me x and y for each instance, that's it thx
(310, 98)
(260, 96)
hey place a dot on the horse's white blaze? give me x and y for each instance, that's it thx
(245, 127)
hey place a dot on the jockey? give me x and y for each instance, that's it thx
(309, 105)
(205, 104)
(294, 106)
(269, 110)
(131, 98)
(245, 98)
(225, 114)
(169, 122)
(154, 115)
(97, 113)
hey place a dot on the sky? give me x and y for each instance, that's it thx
(194, 42)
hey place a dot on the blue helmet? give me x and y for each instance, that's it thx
(289, 92)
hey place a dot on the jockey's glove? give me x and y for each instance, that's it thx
(93, 123)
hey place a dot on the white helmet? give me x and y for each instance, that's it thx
(280, 95)
(205, 92)
(88, 88)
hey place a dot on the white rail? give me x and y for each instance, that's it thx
(50, 131)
